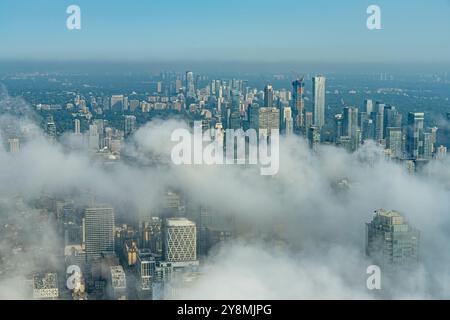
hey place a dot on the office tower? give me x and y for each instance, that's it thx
(125, 103)
(441, 153)
(134, 104)
(235, 111)
(391, 241)
(152, 238)
(379, 121)
(117, 283)
(362, 117)
(414, 133)
(298, 103)
(190, 84)
(145, 269)
(338, 127)
(347, 122)
(314, 138)
(45, 286)
(319, 101)
(394, 142)
(117, 103)
(287, 121)
(268, 96)
(434, 133)
(180, 241)
(93, 138)
(350, 121)
(368, 107)
(427, 150)
(51, 128)
(14, 146)
(99, 231)
(265, 119)
(392, 119)
(368, 131)
(129, 125)
(159, 87)
(77, 125)
(106, 103)
(213, 88)
(309, 120)
(350, 126)
(178, 85)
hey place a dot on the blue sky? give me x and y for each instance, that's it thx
(234, 30)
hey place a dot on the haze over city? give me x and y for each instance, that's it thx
(107, 127)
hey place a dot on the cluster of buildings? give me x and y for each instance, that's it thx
(233, 104)
(152, 254)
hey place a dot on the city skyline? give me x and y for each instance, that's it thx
(234, 150)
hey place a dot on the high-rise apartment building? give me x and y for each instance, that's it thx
(298, 103)
(268, 96)
(319, 101)
(190, 84)
(415, 127)
(265, 119)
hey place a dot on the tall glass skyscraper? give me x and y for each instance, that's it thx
(268, 96)
(319, 100)
(190, 84)
(414, 134)
(298, 103)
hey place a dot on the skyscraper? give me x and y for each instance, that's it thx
(338, 127)
(265, 119)
(180, 241)
(298, 103)
(308, 122)
(441, 153)
(288, 123)
(51, 128)
(190, 84)
(314, 138)
(394, 142)
(235, 111)
(14, 146)
(392, 119)
(319, 101)
(368, 106)
(427, 150)
(391, 241)
(117, 103)
(129, 125)
(268, 96)
(99, 231)
(379, 121)
(350, 121)
(77, 126)
(414, 134)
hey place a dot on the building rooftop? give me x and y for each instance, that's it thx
(179, 222)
